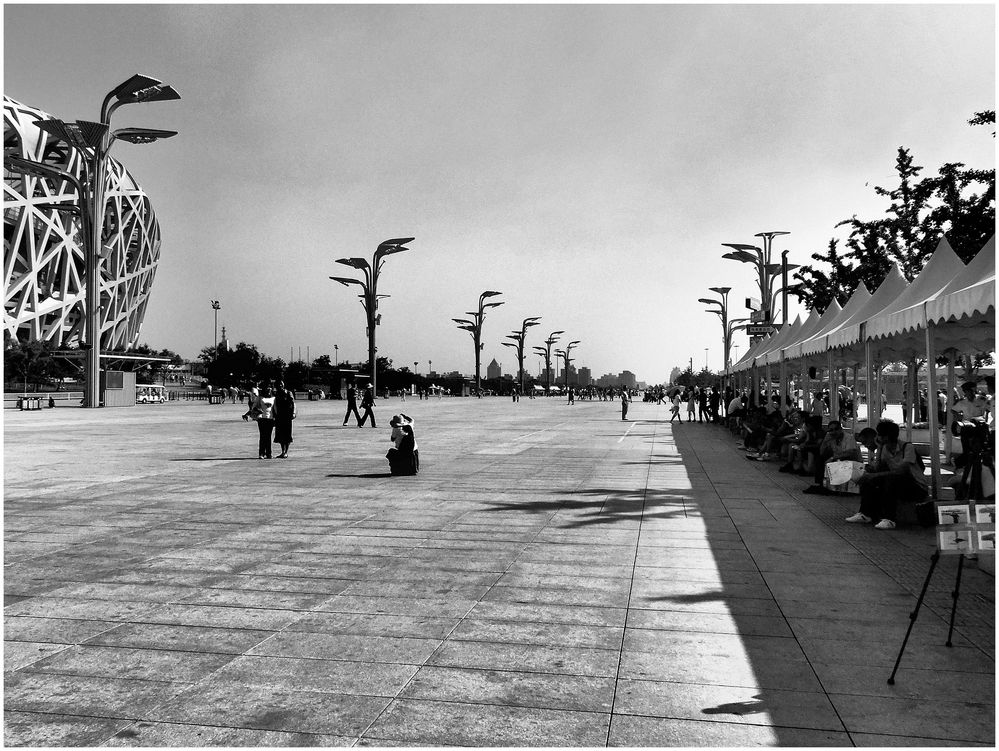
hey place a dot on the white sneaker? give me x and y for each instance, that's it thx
(885, 524)
(763, 457)
(859, 518)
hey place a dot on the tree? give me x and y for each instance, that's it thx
(957, 202)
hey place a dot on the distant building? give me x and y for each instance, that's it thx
(627, 379)
(493, 370)
(585, 377)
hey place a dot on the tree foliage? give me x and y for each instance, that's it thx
(957, 201)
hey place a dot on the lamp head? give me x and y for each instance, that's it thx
(142, 135)
(743, 246)
(39, 169)
(346, 281)
(462, 321)
(356, 263)
(489, 293)
(721, 290)
(156, 92)
(708, 301)
(741, 255)
(771, 234)
(492, 305)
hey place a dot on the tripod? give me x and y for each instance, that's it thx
(915, 613)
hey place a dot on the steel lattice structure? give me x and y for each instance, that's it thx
(44, 264)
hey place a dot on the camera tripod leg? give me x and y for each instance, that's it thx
(955, 594)
(913, 615)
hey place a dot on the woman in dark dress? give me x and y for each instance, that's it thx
(284, 413)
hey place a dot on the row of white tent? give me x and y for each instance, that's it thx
(949, 308)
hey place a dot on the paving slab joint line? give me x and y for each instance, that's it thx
(631, 586)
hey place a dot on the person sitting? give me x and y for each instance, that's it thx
(754, 429)
(778, 437)
(766, 425)
(403, 458)
(837, 445)
(803, 455)
(791, 445)
(896, 476)
(735, 412)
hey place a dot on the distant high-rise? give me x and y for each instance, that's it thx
(585, 377)
(493, 370)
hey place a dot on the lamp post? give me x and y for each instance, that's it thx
(722, 312)
(474, 327)
(761, 258)
(518, 344)
(705, 358)
(564, 354)
(546, 352)
(94, 141)
(216, 306)
(369, 291)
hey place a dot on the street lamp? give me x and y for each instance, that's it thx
(369, 295)
(761, 258)
(546, 352)
(216, 306)
(94, 141)
(564, 354)
(518, 344)
(474, 327)
(722, 312)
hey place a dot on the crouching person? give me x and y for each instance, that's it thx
(895, 476)
(404, 456)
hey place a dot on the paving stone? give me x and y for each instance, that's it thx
(362, 648)
(922, 718)
(42, 729)
(452, 724)
(632, 731)
(180, 638)
(597, 637)
(169, 734)
(271, 708)
(512, 688)
(339, 676)
(543, 659)
(728, 704)
(52, 630)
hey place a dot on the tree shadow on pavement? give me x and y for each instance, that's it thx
(218, 459)
(368, 474)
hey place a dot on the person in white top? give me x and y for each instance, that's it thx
(262, 410)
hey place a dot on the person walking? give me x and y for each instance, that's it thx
(691, 405)
(674, 410)
(352, 405)
(624, 404)
(367, 404)
(262, 410)
(572, 396)
(285, 412)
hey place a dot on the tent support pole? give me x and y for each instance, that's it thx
(833, 390)
(951, 385)
(931, 357)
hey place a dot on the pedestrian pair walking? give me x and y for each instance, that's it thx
(367, 404)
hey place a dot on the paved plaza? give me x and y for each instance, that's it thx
(554, 576)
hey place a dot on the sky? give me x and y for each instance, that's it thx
(587, 161)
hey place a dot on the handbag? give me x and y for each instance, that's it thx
(843, 475)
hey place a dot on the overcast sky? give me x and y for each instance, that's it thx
(586, 161)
